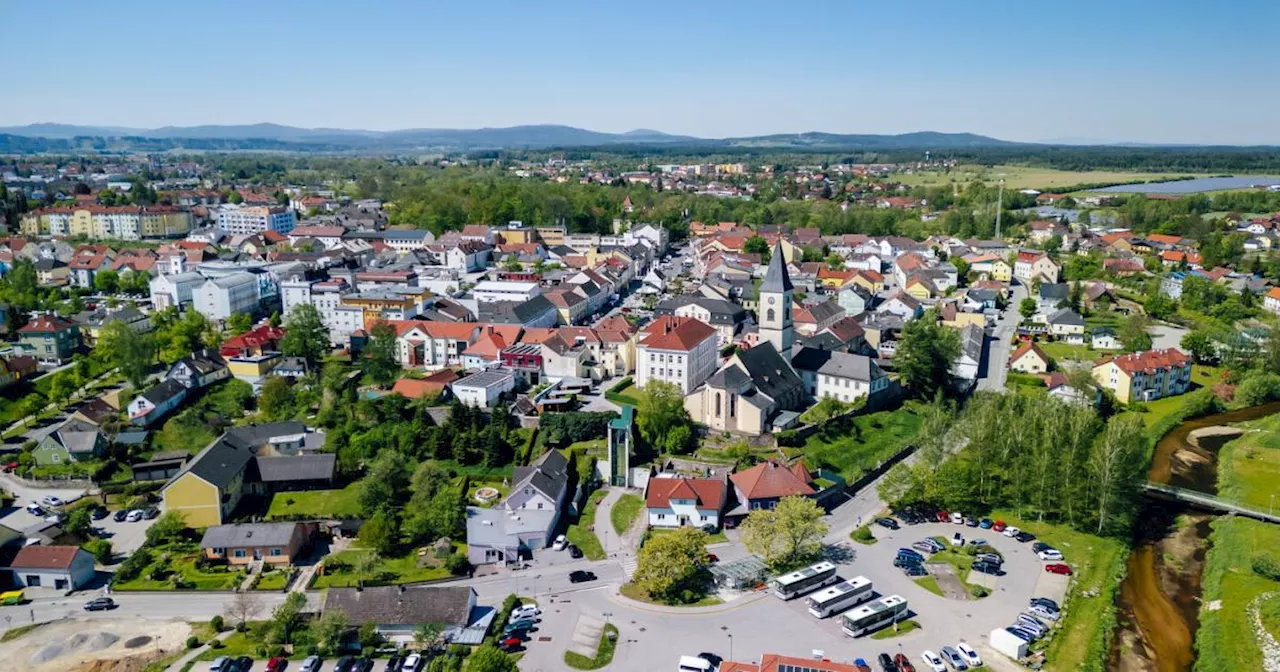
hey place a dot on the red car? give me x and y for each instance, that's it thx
(713, 558)
(1058, 568)
(276, 664)
(10, 467)
(904, 665)
(998, 526)
(511, 643)
(944, 516)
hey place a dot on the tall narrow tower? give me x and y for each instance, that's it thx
(774, 311)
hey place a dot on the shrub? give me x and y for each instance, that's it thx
(216, 623)
(193, 642)
(1259, 387)
(979, 591)
(456, 563)
(216, 644)
(863, 534)
(1266, 566)
(132, 567)
(788, 438)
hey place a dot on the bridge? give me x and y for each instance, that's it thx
(1207, 502)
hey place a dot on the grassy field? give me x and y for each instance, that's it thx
(183, 563)
(1025, 177)
(318, 503)
(900, 628)
(1249, 467)
(387, 571)
(1226, 639)
(930, 584)
(1098, 562)
(717, 538)
(625, 511)
(274, 580)
(1061, 352)
(863, 444)
(581, 534)
(604, 654)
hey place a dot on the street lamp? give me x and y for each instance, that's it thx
(725, 628)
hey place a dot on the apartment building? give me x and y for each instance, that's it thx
(220, 298)
(251, 220)
(1145, 376)
(326, 296)
(679, 350)
(128, 222)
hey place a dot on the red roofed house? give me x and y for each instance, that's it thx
(254, 353)
(1029, 358)
(1272, 300)
(762, 486)
(1145, 376)
(678, 350)
(772, 662)
(677, 502)
(59, 567)
(433, 384)
(49, 338)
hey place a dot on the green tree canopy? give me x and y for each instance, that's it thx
(305, 335)
(925, 354)
(786, 536)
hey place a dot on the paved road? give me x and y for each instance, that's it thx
(1164, 335)
(1001, 341)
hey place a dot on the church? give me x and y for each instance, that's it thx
(757, 391)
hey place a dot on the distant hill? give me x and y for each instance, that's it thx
(523, 137)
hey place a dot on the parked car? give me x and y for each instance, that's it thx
(524, 611)
(914, 570)
(943, 516)
(957, 539)
(560, 543)
(1039, 546)
(574, 552)
(413, 662)
(220, 664)
(1020, 633)
(923, 547)
(1058, 568)
(887, 523)
(311, 664)
(364, 665)
(517, 625)
(938, 546)
(1024, 537)
(55, 518)
(344, 664)
(1011, 531)
(52, 501)
(971, 657)
(909, 553)
(989, 557)
(1044, 602)
(886, 663)
(100, 604)
(1050, 554)
(394, 662)
(953, 658)
(34, 509)
(581, 576)
(120, 516)
(150, 512)
(970, 522)
(985, 523)
(956, 518)
(134, 516)
(903, 663)
(276, 663)
(244, 664)
(990, 568)
(1040, 611)
(99, 512)
(998, 526)
(977, 542)
(933, 662)
(511, 644)
(861, 664)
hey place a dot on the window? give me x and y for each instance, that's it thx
(239, 553)
(769, 316)
(717, 404)
(276, 552)
(661, 516)
(704, 518)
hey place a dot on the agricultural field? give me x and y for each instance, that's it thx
(1026, 177)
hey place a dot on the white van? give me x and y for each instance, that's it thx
(695, 664)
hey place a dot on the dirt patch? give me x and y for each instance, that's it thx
(1212, 438)
(951, 585)
(94, 646)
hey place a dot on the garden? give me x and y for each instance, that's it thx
(361, 567)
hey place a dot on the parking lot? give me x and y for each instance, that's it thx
(654, 637)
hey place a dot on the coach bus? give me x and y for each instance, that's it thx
(841, 597)
(873, 615)
(804, 581)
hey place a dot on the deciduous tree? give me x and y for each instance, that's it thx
(787, 535)
(670, 565)
(305, 335)
(925, 355)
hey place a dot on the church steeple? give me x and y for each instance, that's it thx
(774, 311)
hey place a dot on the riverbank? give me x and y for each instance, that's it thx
(1235, 574)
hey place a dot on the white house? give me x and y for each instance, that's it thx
(484, 389)
(175, 289)
(679, 350)
(681, 502)
(500, 290)
(220, 298)
(59, 567)
(839, 375)
(1272, 300)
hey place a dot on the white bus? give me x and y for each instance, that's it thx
(873, 615)
(803, 581)
(840, 597)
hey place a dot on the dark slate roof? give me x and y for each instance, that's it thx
(1066, 316)
(248, 534)
(164, 392)
(1055, 291)
(402, 605)
(776, 279)
(722, 311)
(768, 370)
(728, 378)
(317, 467)
(839, 364)
(548, 475)
(824, 341)
(513, 312)
(229, 455)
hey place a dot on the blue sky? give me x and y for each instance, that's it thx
(1124, 70)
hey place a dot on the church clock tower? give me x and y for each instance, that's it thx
(774, 310)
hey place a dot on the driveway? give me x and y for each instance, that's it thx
(1164, 335)
(1001, 343)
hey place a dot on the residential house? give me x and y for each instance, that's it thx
(174, 289)
(681, 502)
(49, 338)
(16, 368)
(1032, 266)
(251, 355)
(92, 322)
(1052, 296)
(1271, 301)
(901, 305)
(398, 612)
(273, 544)
(156, 402)
(73, 441)
(767, 483)
(1060, 388)
(1145, 376)
(969, 361)
(679, 350)
(854, 299)
(220, 298)
(65, 568)
(484, 389)
(1029, 358)
(198, 370)
(433, 384)
(1104, 338)
(725, 316)
(838, 375)
(811, 318)
(534, 313)
(526, 520)
(52, 272)
(1066, 324)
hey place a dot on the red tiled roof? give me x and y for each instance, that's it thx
(1164, 238)
(676, 333)
(46, 323)
(45, 557)
(1149, 361)
(1024, 349)
(1274, 293)
(707, 493)
(263, 336)
(772, 662)
(432, 384)
(770, 480)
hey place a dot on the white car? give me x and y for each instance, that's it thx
(134, 516)
(933, 661)
(1042, 612)
(526, 611)
(1050, 554)
(52, 501)
(412, 663)
(970, 656)
(561, 543)
(1011, 531)
(957, 539)
(34, 509)
(54, 518)
(957, 518)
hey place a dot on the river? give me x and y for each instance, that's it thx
(1159, 601)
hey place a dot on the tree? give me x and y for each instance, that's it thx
(789, 534)
(305, 335)
(239, 323)
(1116, 467)
(1027, 308)
(669, 566)
(489, 659)
(79, 523)
(167, 528)
(1133, 333)
(1075, 298)
(658, 414)
(757, 245)
(925, 354)
(380, 355)
(127, 350)
(285, 618)
(101, 550)
(378, 532)
(106, 282)
(244, 607)
(276, 401)
(329, 630)
(64, 384)
(1199, 344)
(426, 635)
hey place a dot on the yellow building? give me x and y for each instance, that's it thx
(196, 499)
(919, 289)
(1145, 376)
(869, 280)
(962, 320)
(1001, 271)
(129, 222)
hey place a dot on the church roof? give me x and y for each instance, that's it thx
(776, 279)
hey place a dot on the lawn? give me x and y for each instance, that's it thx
(899, 628)
(1162, 408)
(340, 569)
(625, 512)
(1026, 177)
(634, 592)
(604, 654)
(316, 503)
(183, 563)
(930, 584)
(1249, 467)
(1062, 351)
(581, 534)
(1083, 639)
(854, 447)
(717, 538)
(1226, 639)
(624, 394)
(274, 580)
(476, 484)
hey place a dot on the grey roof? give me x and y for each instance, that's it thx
(984, 295)
(768, 370)
(823, 341)
(234, 280)
(1066, 316)
(971, 339)
(548, 475)
(403, 605)
(729, 378)
(316, 467)
(776, 278)
(721, 310)
(404, 234)
(484, 379)
(839, 364)
(514, 312)
(164, 392)
(134, 438)
(77, 436)
(824, 310)
(497, 528)
(1103, 331)
(248, 534)
(1058, 291)
(228, 456)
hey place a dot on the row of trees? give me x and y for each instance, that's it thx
(1043, 457)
